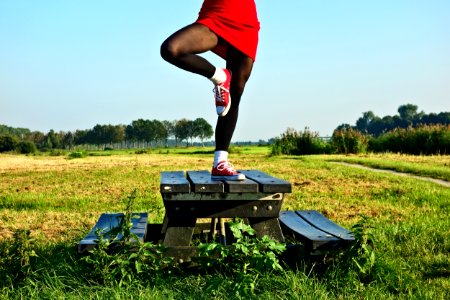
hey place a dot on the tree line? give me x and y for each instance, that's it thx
(408, 132)
(408, 116)
(140, 133)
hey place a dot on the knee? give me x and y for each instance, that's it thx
(170, 51)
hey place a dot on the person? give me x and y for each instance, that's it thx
(230, 29)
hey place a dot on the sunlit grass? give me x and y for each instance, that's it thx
(435, 166)
(59, 200)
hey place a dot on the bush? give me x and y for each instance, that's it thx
(77, 154)
(300, 143)
(141, 151)
(349, 140)
(7, 143)
(16, 258)
(26, 147)
(426, 140)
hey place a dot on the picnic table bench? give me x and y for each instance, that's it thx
(193, 195)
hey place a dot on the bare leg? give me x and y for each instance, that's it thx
(182, 47)
(241, 68)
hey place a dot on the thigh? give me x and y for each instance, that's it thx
(195, 38)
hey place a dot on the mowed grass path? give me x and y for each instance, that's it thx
(60, 200)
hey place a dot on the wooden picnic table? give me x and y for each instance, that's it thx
(193, 195)
(188, 197)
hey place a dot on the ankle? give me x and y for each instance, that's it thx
(219, 76)
(219, 156)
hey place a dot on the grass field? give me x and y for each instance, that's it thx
(59, 200)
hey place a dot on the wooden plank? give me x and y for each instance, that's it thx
(225, 209)
(202, 183)
(109, 224)
(106, 223)
(222, 196)
(267, 183)
(319, 221)
(242, 186)
(139, 227)
(312, 237)
(174, 182)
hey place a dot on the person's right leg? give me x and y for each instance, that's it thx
(241, 67)
(181, 50)
(182, 47)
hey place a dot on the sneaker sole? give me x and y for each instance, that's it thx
(238, 177)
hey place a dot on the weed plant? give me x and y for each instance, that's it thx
(294, 142)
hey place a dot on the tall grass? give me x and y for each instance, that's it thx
(423, 140)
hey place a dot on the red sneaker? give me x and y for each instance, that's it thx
(225, 171)
(222, 95)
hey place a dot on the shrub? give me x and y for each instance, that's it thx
(426, 139)
(16, 257)
(300, 143)
(7, 143)
(349, 140)
(26, 147)
(141, 151)
(77, 154)
(125, 259)
(246, 259)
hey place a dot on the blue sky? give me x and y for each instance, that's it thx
(72, 64)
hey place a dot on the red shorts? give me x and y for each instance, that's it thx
(235, 21)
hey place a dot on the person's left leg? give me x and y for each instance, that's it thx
(240, 66)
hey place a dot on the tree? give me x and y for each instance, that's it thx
(80, 137)
(407, 112)
(363, 123)
(202, 129)
(161, 133)
(37, 137)
(182, 130)
(67, 140)
(118, 135)
(170, 130)
(7, 143)
(26, 147)
(52, 140)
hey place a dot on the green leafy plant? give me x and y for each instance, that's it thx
(349, 140)
(305, 142)
(120, 257)
(362, 252)
(245, 259)
(16, 257)
(77, 154)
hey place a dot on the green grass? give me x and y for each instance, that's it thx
(434, 166)
(59, 200)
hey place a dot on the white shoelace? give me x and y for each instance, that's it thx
(218, 90)
(225, 165)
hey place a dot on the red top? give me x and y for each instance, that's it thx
(235, 21)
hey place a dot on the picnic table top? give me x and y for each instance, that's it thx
(201, 182)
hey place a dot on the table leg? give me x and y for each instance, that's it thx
(267, 226)
(179, 231)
